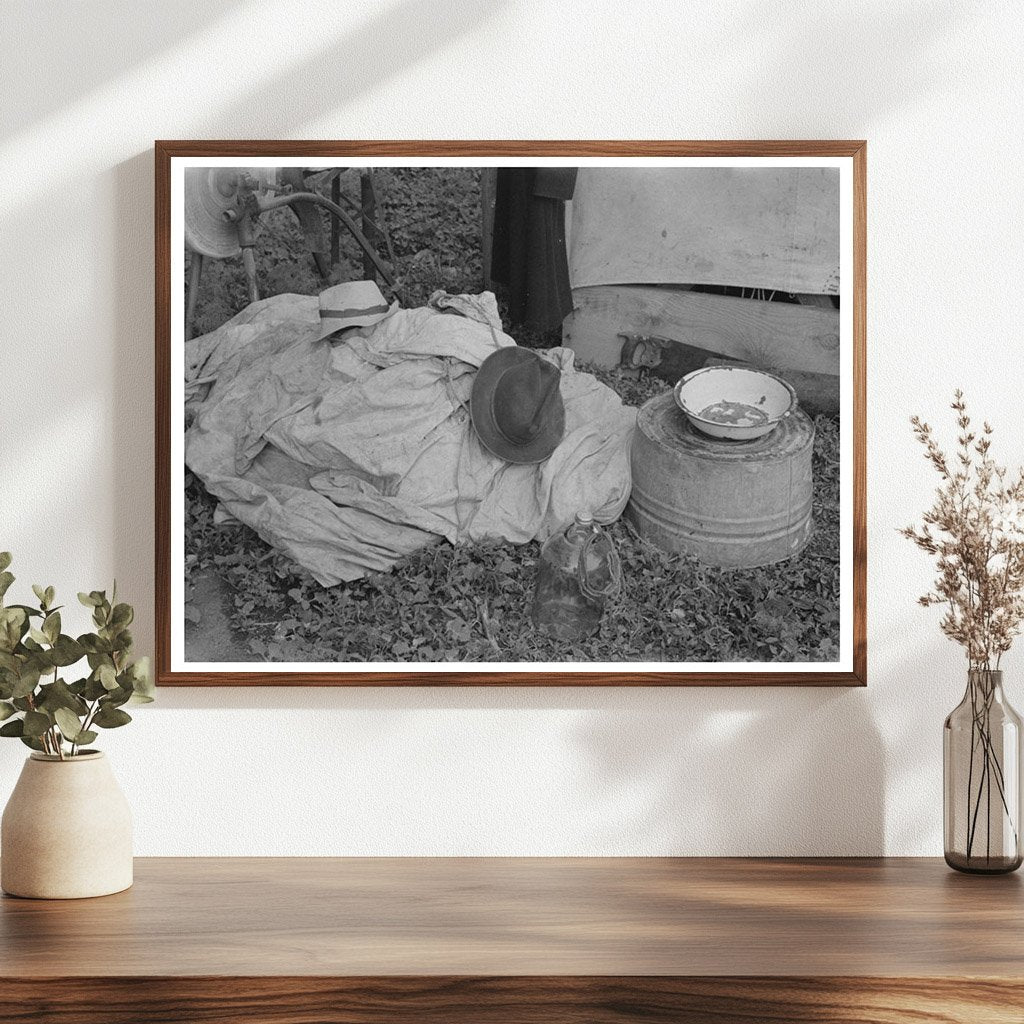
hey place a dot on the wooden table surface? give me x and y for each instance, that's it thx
(561, 939)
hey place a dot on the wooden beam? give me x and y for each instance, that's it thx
(778, 334)
(671, 360)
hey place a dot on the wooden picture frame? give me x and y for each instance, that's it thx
(849, 669)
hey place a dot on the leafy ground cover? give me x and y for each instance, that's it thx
(472, 603)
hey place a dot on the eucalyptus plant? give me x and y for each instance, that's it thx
(37, 704)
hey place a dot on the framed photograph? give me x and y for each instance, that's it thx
(492, 413)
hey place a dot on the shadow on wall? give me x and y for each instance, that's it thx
(693, 771)
(131, 411)
(394, 39)
(812, 61)
(926, 679)
(67, 31)
(738, 771)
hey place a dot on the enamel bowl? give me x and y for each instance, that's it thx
(733, 402)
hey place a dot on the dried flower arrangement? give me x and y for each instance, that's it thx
(975, 528)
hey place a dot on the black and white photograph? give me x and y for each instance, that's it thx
(587, 415)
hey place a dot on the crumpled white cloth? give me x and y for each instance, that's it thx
(350, 455)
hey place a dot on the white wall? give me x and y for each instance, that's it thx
(936, 88)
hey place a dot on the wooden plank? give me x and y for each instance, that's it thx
(818, 393)
(500, 917)
(779, 334)
(509, 1000)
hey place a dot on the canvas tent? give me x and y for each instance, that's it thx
(775, 228)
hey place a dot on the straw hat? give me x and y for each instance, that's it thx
(516, 405)
(352, 304)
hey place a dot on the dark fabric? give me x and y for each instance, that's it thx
(555, 182)
(528, 253)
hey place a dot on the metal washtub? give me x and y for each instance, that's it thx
(726, 503)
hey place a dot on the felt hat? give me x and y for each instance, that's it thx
(516, 405)
(352, 304)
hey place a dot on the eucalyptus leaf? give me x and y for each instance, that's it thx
(107, 676)
(51, 626)
(36, 723)
(94, 689)
(29, 610)
(141, 673)
(27, 681)
(89, 600)
(31, 741)
(111, 718)
(6, 710)
(67, 651)
(121, 616)
(69, 724)
(13, 728)
(59, 695)
(12, 627)
(5, 559)
(39, 636)
(115, 698)
(6, 579)
(142, 682)
(40, 593)
(86, 736)
(50, 594)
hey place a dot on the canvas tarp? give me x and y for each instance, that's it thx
(349, 455)
(657, 225)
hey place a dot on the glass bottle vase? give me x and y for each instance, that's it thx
(981, 772)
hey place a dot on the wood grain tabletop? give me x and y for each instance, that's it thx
(500, 917)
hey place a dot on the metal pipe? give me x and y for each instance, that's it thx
(312, 197)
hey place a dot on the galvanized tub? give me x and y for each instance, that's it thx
(726, 503)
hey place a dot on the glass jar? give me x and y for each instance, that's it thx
(981, 774)
(577, 573)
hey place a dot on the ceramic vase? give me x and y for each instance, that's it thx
(66, 831)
